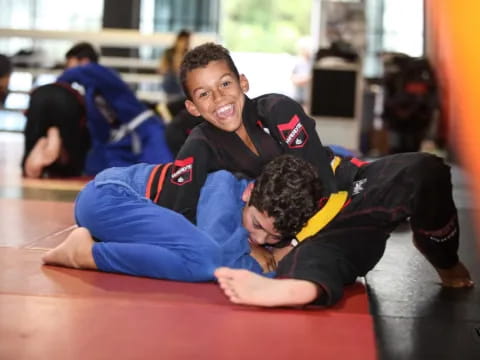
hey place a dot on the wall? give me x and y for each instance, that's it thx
(453, 28)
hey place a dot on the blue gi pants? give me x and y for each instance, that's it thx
(138, 237)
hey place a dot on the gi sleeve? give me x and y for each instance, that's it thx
(219, 214)
(296, 132)
(321, 263)
(189, 172)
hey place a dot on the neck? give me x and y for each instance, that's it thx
(242, 133)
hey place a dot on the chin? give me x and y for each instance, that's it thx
(233, 127)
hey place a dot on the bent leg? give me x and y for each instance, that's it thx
(155, 149)
(435, 224)
(138, 237)
(415, 186)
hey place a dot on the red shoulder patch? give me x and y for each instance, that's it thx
(293, 133)
(182, 171)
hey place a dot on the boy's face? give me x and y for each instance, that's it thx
(74, 62)
(258, 224)
(217, 95)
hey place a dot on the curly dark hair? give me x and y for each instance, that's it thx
(200, 57)
(83, 50)
(288, 189)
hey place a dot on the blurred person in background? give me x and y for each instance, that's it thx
(169, 67)
(302, 71)
(5, 72)
(123, 130)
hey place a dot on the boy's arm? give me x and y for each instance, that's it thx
(188, 174)
(220, 215)
(75, 74)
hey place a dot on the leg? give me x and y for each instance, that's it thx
(415, 186)
(247, 288)
(435, 224)
(155, 149)
(143, 239)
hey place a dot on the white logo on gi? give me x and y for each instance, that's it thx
(358, 186)
(298, 141)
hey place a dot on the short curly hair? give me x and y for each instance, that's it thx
(200, 57)
(288, 189)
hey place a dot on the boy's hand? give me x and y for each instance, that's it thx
(264, 257)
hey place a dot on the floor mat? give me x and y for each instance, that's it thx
(51, 312)
(23, 222)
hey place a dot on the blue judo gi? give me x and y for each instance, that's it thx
(138, 237)
(145, 143)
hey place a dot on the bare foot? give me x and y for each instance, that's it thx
(74, 252)
(456, 277)
(45, 152)
(245, 287)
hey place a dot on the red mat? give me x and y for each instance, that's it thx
(52, 313)
(26, 221)
(49, 312)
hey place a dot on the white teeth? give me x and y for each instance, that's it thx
(224, 110)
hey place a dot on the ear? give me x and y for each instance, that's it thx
(244, 85)
(248, 192)
(191, 108)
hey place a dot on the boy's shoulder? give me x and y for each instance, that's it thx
(268, 101)
(268, 104)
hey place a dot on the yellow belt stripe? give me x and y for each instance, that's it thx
(331, 208)
(324, 215)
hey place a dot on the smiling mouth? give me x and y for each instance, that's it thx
(224, 111)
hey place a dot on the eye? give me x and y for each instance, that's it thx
(256, 225)
(201, 93)
(274, 239)
(226, 83)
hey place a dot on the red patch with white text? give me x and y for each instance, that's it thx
(182, 172)
(293, 133)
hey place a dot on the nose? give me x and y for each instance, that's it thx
(217, 95)
(261, 238)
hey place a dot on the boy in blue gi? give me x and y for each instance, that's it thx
(360, 206)
(123, 131)
(138, 237)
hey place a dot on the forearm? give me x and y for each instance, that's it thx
(293, 292)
